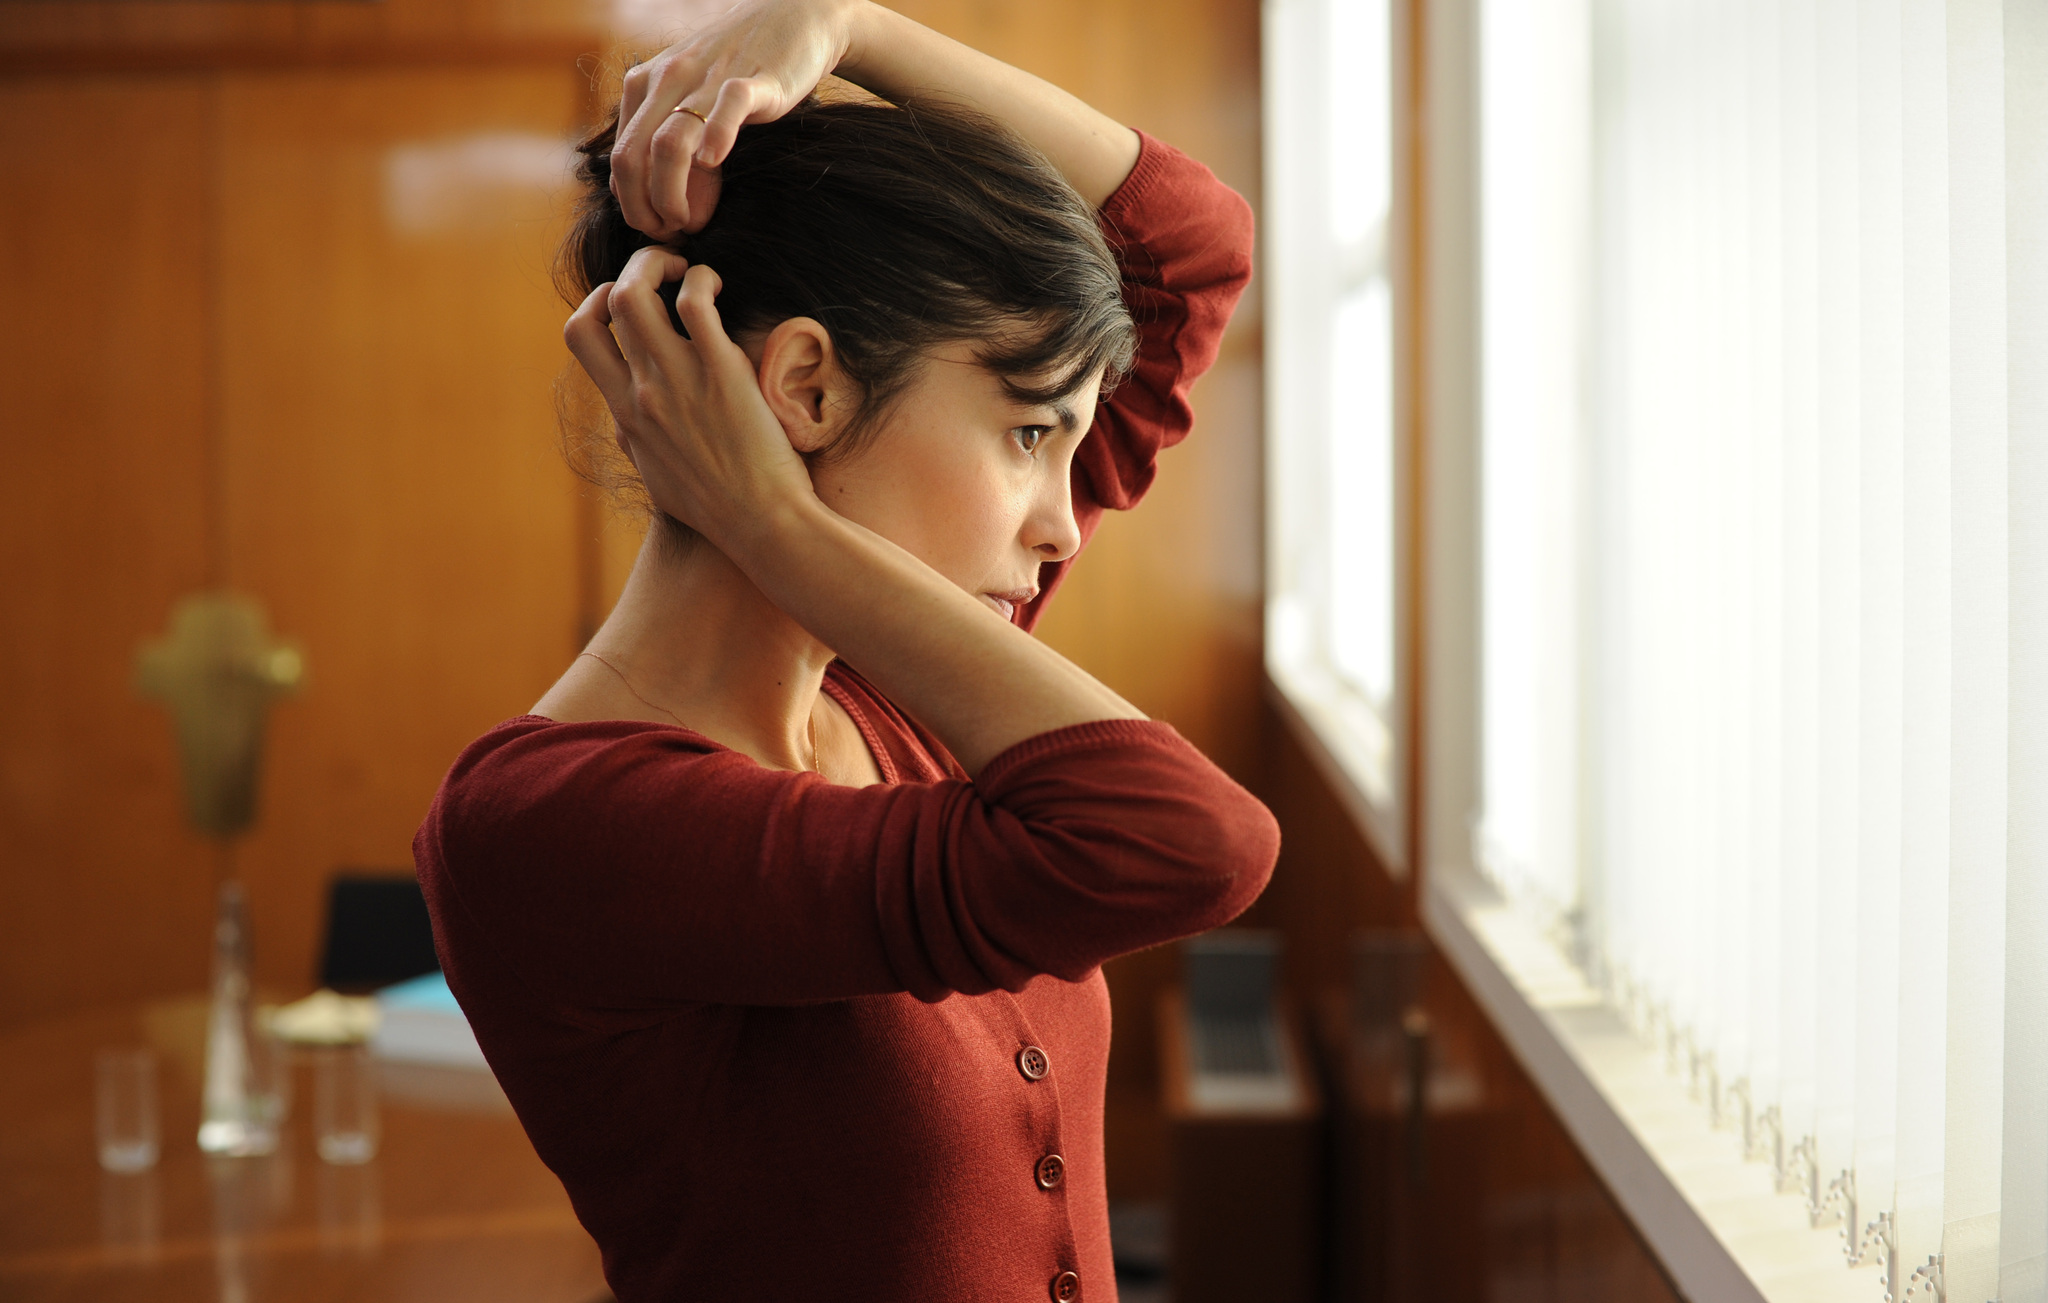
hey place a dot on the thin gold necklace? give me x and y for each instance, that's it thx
(811, 729)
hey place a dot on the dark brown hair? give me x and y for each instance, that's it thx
(899, 228)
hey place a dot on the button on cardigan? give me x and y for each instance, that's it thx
(785, 1040)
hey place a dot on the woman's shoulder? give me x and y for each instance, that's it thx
(537, 740)
(529, 766)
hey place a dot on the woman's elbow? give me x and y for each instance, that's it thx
(1236, 843)
(1255, 851)
(1239, 235)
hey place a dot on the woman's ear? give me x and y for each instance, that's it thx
(803, 383)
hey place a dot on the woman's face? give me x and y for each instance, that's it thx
(968, 479)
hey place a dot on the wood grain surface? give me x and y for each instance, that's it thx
(391, 487)
(104, 506)
(456, 1206)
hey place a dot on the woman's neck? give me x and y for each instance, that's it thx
(692, 637)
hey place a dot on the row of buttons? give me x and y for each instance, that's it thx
(1051, 1169)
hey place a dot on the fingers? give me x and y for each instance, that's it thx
(640, 318)
(703, 189)
(598, 350)
(752, 64)
(588, 334)
(632, 307)
(646, 128)
(740, 100)
(669, 167)
(686, 149)
(633, 93)
(661, 157)
(697, 306)
(629, 171)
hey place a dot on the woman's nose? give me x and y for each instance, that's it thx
(1052, 531)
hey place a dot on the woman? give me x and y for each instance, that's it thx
(781, 918)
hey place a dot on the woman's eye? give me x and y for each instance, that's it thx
(1028, 436)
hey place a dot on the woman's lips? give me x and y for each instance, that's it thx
(1011, 602)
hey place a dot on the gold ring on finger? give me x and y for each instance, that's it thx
(684, 108)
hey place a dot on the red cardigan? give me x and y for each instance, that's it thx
(783, 1040)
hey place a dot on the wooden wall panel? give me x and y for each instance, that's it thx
(102, 503)
(394, 493)
(1328, 883)
(251, 340)
(217, 33)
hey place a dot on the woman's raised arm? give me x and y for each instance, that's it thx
(902, 60)
(759, 60)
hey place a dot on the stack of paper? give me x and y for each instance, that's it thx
(420, 1022)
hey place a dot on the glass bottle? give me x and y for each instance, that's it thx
(240, 1106)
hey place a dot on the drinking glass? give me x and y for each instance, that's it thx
(127, 1110)
(345, 1123)
(131, 1214)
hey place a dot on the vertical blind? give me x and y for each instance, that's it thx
(1765, 591)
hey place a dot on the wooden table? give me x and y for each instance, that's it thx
(456, 1206)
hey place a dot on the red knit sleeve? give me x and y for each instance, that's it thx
(1183, 240)
(626, 868)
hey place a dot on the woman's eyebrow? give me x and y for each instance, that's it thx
(1062, 409)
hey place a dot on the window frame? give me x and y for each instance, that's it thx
(1362, 748)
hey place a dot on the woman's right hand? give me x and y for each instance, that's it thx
(689, 412)
(754, 63)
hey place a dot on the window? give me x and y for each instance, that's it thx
(1331, 503)
(1750, 849)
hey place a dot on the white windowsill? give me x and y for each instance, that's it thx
(1333, 727)
(1712, 1219)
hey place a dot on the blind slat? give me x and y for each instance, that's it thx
(2023, 1198)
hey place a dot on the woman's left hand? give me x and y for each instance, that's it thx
(755, 63)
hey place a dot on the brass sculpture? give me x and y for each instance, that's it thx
(218, 672)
